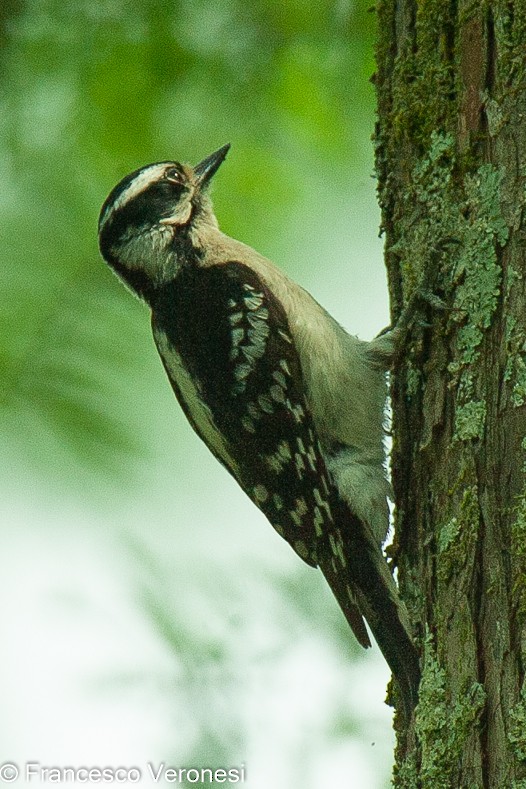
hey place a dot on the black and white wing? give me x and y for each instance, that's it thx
(225, 343)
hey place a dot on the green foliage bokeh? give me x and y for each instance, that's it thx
(92, 90)
(88, 92)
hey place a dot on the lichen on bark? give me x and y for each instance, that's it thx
(451, 164)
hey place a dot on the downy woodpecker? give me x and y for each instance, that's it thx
(289, 402)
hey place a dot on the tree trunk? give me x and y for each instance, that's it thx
(451, 163)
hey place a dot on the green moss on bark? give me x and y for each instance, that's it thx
(518, 545)
(443, 724)
(451, 159)
(517, 731)
(470, 419)
(458, 536)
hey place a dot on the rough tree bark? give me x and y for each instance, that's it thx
(451, 163)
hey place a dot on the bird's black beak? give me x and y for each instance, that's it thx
(209, 166)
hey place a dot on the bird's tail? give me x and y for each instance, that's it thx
(360, 579)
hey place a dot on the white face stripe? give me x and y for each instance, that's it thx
(141, 182)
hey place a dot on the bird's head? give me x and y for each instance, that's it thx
(145, 222)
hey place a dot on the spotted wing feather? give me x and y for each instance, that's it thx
(225, 344)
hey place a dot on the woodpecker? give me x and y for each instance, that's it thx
(290, 403)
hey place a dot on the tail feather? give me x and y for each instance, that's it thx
(360, 579)
(348, 603)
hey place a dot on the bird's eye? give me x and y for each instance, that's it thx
(173, 175)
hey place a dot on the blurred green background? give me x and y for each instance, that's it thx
(149, 611)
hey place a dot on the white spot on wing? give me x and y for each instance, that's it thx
(277, 501)
(301, 506)
(275, 463)
(311, 457)
(333, 544)
(299, 511)
(248, 424)
(257, 318)
(251, 345)
(253, 410)
(301, 549)
(295, 517)
(254, 301)
(280, 378)
(260, 494)
(237, 336)
(250, 352)
(285, 336)
(300, 464)
(297, 411)
(241, 371)
(265, 403)
(318, 522)
(277, 393)
(284, 450)
(322, 503)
